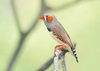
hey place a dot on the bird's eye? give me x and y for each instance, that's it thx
(45, 17)
(49, 19)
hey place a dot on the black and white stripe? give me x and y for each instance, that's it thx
(75, 54)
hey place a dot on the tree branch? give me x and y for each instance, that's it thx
(49, 62)
(16, 16)
(56, 57)
(63, 62)
(14, 57)
(46, 65)
(67, 5)
(43, 9)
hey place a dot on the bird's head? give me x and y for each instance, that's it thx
(49, 19)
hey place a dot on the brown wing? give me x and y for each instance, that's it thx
(61, 34)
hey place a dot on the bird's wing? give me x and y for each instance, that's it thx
(61, 34)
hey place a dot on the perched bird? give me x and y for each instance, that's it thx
(58, 32)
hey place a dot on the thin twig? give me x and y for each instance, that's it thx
(43, 9)
(46, 65)
(16, 16)
(66, 5)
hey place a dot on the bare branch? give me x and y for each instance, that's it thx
(56, 57)
(16, 16)
(44, 8)
(60, 51)
(49, 62)
(67, 5)
(14, 57)
(46, 65)
(63, 62)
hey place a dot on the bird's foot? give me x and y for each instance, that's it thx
(59, 47)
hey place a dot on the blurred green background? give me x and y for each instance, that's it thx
(81, 20)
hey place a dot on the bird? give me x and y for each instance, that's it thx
(58, 32)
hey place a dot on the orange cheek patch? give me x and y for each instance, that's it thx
(49, 19)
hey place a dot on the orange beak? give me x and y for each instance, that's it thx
(42, 17)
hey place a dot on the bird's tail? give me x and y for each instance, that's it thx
(74, 53)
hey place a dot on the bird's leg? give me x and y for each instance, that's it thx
(59, 47)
